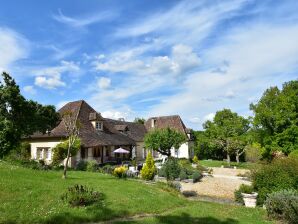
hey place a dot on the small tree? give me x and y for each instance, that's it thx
(139, 120)
(60, 151)
(162, 140)
(72, 127)
(149, 168)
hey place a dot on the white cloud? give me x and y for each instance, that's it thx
(50, 77)
(30, 90)
(83, 21)
(13, 46)
(114, 114)
(104, 83)
(258, 56)
(209, 117)
(181, 59)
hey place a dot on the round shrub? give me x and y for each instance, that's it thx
(81, 165)
(120, 172)
(79, 195)
(149, 169)
(283, 205)
(183, 175)
(172, 169)
(92, 166)
(294, 154)
(281, 174)
(196, 176)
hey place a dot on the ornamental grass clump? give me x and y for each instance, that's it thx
(149, 169)
(120, 172)
(79, 195)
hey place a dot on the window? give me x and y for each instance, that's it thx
(83, 153)
(96, 152)
(107, 152)
(43, 153)
(98, 125)
(48, 154)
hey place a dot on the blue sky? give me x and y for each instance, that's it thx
(142, 58)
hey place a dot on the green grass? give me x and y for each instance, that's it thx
(32, 196)
(218, 163)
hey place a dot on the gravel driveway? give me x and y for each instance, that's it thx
(222, 184)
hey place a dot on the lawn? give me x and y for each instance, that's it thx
(33, 196)
(219, 163)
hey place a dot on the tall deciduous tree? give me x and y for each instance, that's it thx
(139, 120)
(20, 117)
(163, 140)
(225, 131)
(72, 127)
(276, 118)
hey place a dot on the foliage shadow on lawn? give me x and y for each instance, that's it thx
(184, 218)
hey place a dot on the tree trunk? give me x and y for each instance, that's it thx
(66, 163)
(237, 157)
(228, 159)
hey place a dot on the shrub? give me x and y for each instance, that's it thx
(253, 152)
(92, 166)
(172, 169)
(81, 165)
(294, 154)
(120, 172)
(183, 175)
(247, 189)
(190, 193)
(283, 205)
(148, 171)
(174, 185)
(162, 172)
(196, 176)
(109, 169)
(195, 160)
(281, 174)
(60, 151)
(80, 195)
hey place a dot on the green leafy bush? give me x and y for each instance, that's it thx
(247, 189)
(79, 195)
(109, 169)
(92, 166)
(81, 165)
(196, 176)
(281, 174)
(183, 175)
(60, 151)
(148, 171)
(172, 168)
(294, 154)
(283, 205)
(253, 152)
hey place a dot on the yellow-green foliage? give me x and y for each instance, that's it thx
(149, 168)
(120, 171)
(195, 160)
(60, 151)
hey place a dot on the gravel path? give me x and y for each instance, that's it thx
(222, 185)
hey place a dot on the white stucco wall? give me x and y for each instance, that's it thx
(185, 151)
(35, 145)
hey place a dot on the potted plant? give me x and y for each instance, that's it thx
(250, 199)
(246, 195)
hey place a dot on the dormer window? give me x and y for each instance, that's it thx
(98, 125)
(153, 123)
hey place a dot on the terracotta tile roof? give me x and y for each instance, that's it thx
(173, 121)
(88, 134)
(115, 132)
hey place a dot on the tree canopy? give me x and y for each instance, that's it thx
(225, 131)
(162, 140)
(276, 118)
(20, 117)
(139, 120)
